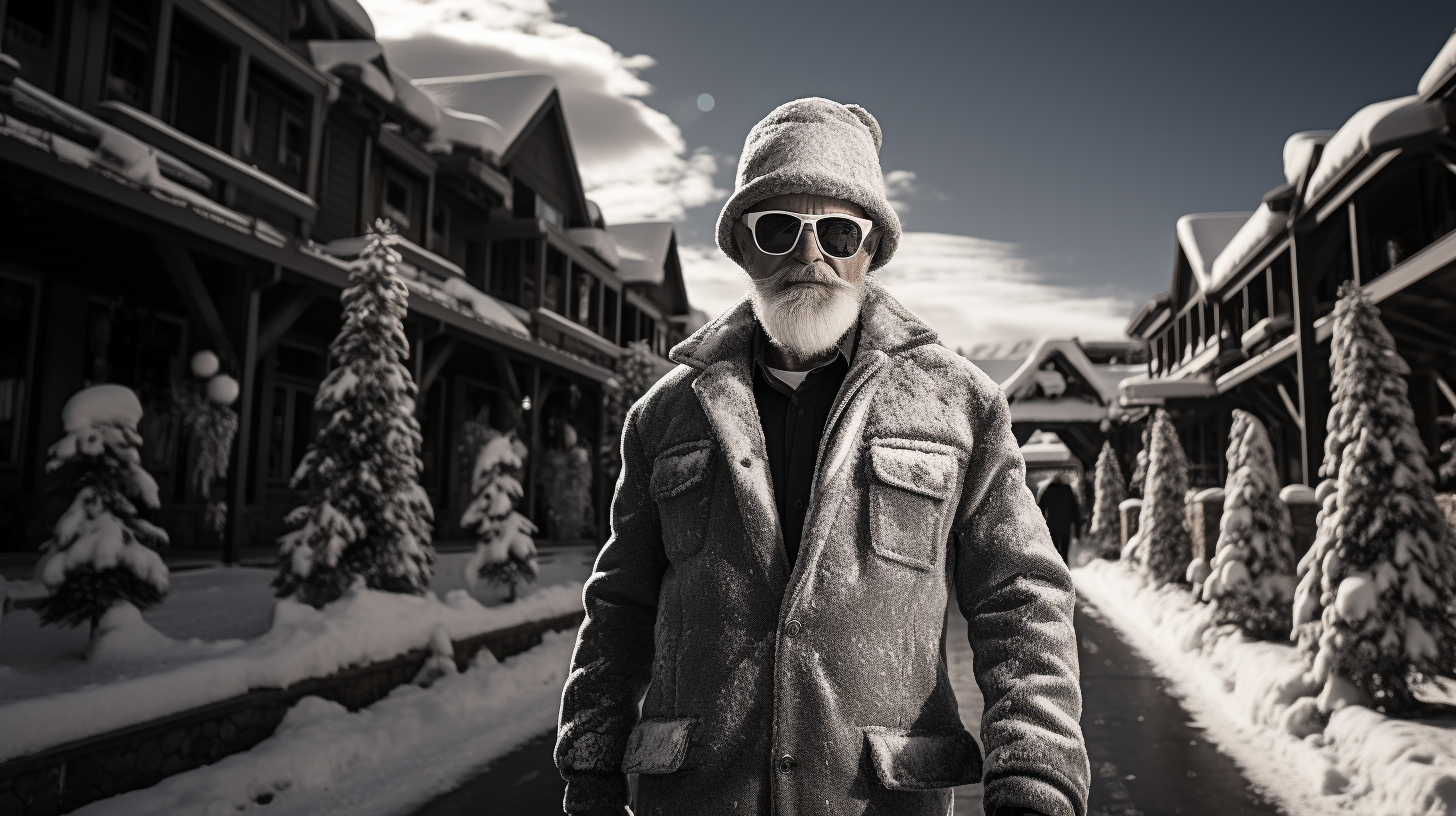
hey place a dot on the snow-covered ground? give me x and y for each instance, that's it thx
(387, 759)
(137, 670)
(1240, 691)
(208, 611)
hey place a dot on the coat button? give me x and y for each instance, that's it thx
(798, 504)
(794, 628)
(787, 763)
(745, 462)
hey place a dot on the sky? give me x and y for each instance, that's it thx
(1039, 153)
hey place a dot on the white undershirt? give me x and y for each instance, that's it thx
(793, 379)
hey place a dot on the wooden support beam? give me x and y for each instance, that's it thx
(434, 363)
(195, 295)
(1312, 365)
(281, 319)
(507, 375)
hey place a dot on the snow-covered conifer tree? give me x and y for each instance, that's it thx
(1252, 579)
(367, 519)
(1106, 530)
(100, 554)
(1372, 611)
(505, 554)
(1162, 547)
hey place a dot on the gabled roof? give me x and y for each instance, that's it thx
(648, 253)
(1044, 351)
(1147, 313)
(1248, 242)
(1374, 129)
(510, 99)
(1201, 237)
(643, 248)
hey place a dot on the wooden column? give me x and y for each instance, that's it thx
(237, 492)
(159, 58)
(1312, 366)
(535, 443)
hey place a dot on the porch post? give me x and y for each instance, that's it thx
(1312, 366)
(238, 465)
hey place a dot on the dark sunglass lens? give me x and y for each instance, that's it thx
(777, 233)
(839, 237)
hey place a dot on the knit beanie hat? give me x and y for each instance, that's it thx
(818, 147)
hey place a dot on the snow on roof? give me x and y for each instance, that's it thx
(1047, 450)
(488, 308)
(1440, 71)
(1203, 236)
(469, 130)
(599, 241)
(1251, 238)
(643, 249)
(359, 55)
(106, 404)
(1057, 411)
(998, 370)
(509, 99)
(413, 100)
(351, 11)
(1374, 128)
(1072, 353)
(1299, 148)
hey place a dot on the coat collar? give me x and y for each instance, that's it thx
(885, 325)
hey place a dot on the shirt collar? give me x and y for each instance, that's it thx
(846, 346)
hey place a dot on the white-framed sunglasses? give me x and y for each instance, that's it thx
(776, 232)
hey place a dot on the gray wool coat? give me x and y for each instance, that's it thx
(822, 689)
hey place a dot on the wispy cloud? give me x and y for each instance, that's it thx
(633, 159)
(970, 290)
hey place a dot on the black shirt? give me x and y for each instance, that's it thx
(793, 424)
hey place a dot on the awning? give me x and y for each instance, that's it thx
(1376, 128)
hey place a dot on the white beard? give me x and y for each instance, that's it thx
(806, 319)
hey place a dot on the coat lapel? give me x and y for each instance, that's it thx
(722, 349)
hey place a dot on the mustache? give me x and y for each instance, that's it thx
(795, 272)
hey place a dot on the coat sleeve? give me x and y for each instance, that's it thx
(1017, 597)
(612, 663)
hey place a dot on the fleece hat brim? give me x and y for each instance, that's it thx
(819, 147)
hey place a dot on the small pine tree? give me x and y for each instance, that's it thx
(505, 554)
(1372, 608)
(367, 520)
(100, 554)
(1163, 546)
(1252, 579)
(1106, 529)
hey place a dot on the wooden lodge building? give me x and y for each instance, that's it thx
(1246, 322)
(179, 175)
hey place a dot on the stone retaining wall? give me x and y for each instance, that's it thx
(66, 777)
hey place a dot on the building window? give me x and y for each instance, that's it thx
(547, 212)
(250, 121)
(398, 200)
(129, 60)
(291, 137)
(17, 328)
(198, 65)
(297, 370)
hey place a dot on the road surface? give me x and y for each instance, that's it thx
(1147, 758)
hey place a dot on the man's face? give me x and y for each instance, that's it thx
(806, 300)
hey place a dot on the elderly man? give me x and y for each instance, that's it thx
(797, 500)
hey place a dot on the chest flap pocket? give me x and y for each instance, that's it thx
(681, 480)
(911, 484)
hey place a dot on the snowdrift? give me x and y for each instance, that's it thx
(1244, 694)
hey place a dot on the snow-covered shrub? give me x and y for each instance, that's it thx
(1372, 611)
(1162, 547)
(1106, 529)
(367, 519)
(100, 554)
(1251, 580)
(564, 479)
(505, 554)
(1137, 484)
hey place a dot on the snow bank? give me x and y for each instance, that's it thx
(1246, 695)
(364, 626)
(389, 758)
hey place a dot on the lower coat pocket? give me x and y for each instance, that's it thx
(658, 746)
(917, 760)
